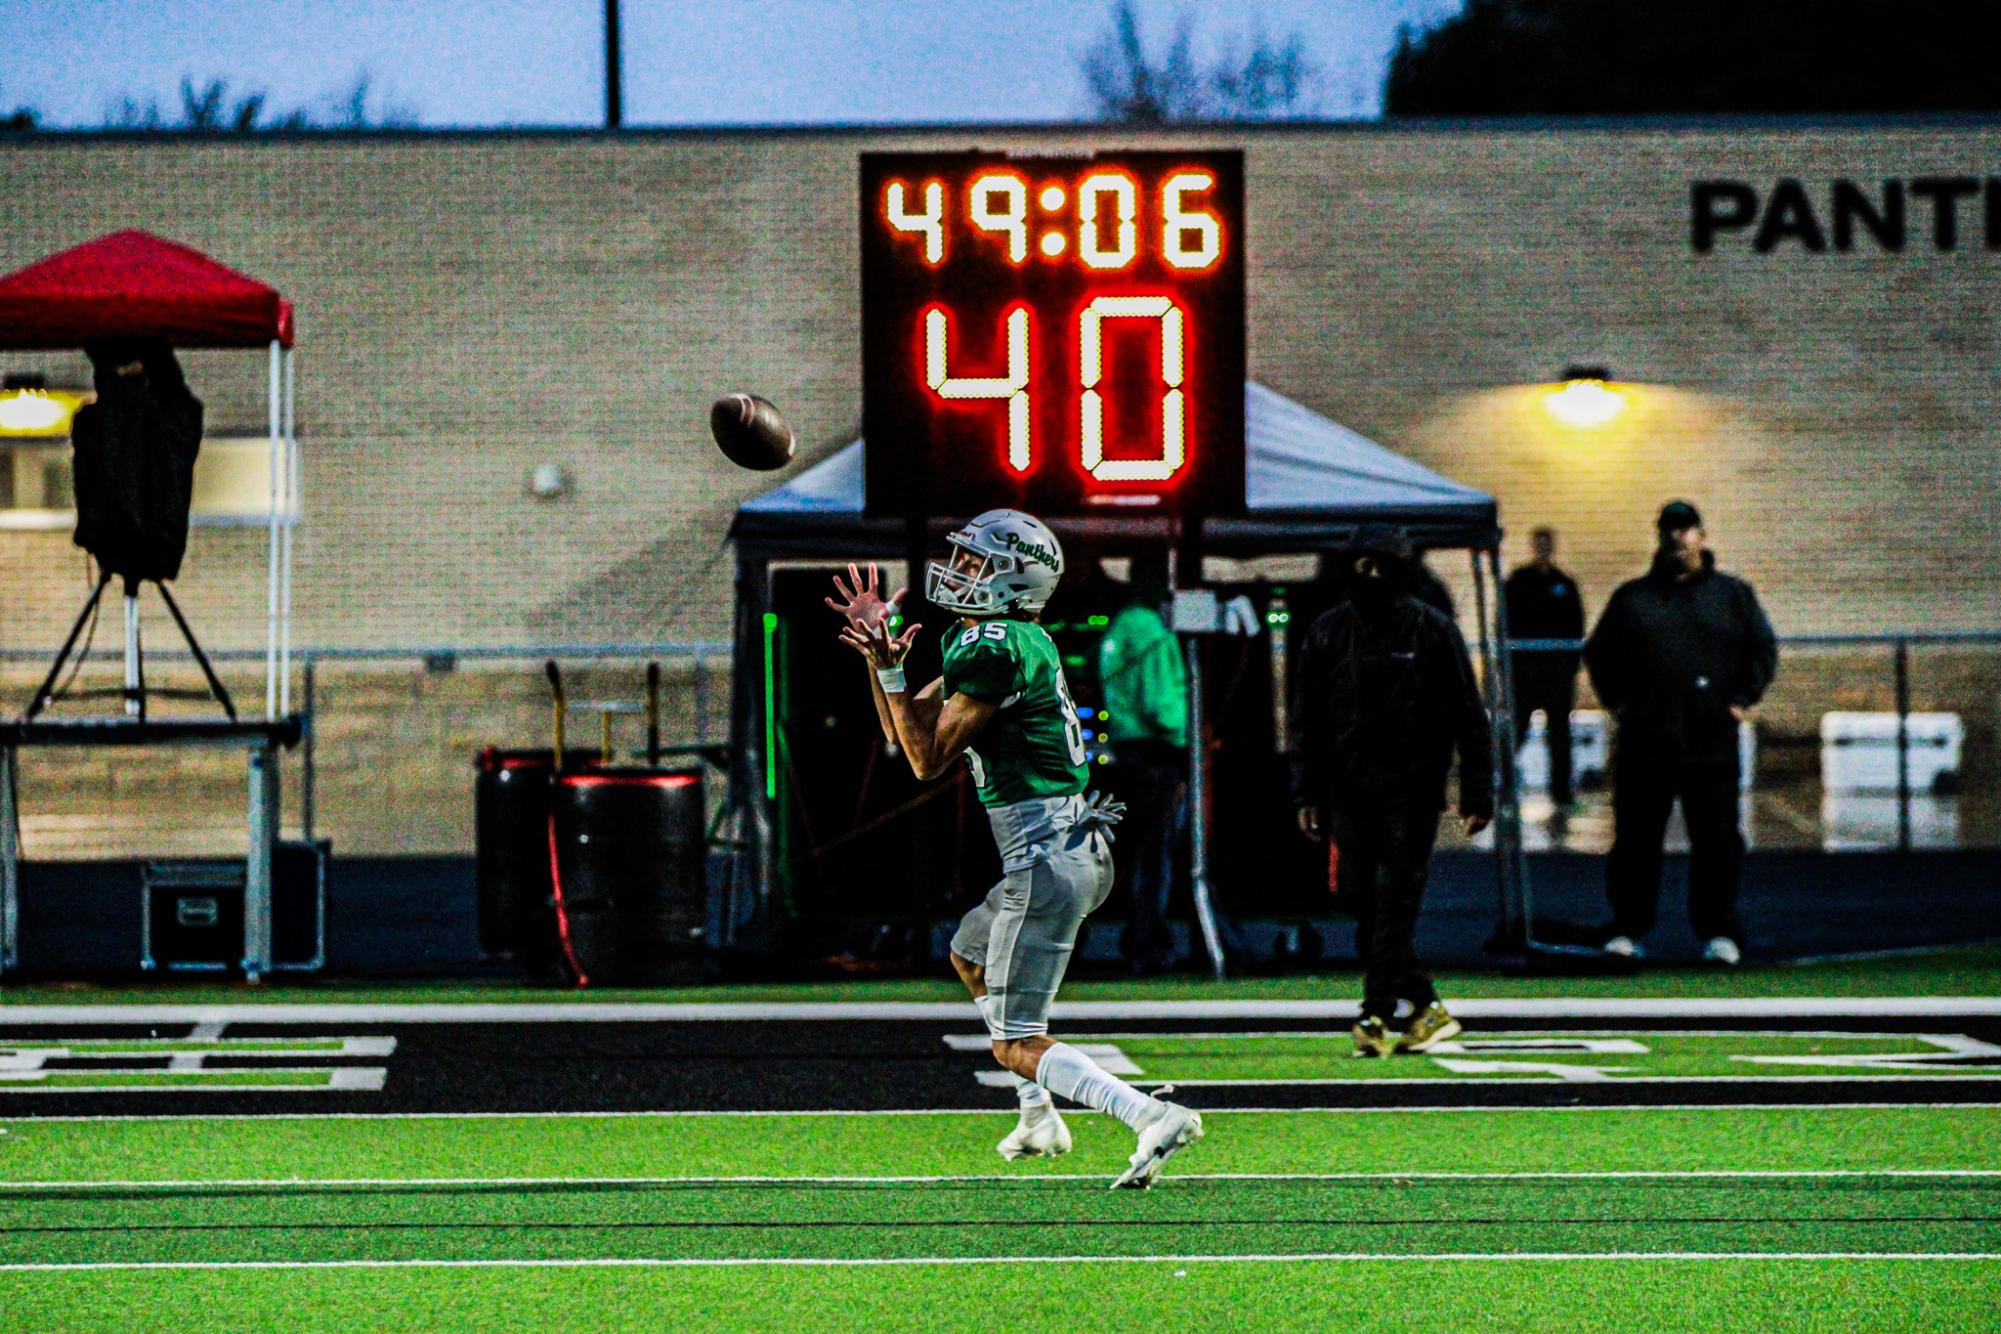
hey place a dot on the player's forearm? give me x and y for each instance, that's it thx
(881, 707)
(915, 731)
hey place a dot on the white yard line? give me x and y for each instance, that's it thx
(181, 1074)
(343, 1183)
(870, 1262)
(1955, 1042)
(1343, 1011)
(997, 1111)
(1908, 1075)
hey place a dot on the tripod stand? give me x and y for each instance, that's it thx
(134, 690)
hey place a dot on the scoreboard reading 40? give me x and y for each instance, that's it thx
(1061, 334)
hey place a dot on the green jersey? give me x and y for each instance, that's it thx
(1034, 746)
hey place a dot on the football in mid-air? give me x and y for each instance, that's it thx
(751, 432)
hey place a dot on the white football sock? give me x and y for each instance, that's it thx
(1031, 1094)
(1071, 1074)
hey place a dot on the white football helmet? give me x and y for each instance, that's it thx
(1020, 561)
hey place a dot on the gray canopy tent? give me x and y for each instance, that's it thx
(1309, 483)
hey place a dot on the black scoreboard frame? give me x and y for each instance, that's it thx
(926, 456)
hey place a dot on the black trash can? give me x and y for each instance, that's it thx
(511, 851)
(631, 893)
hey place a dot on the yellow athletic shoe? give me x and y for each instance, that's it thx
(1430, 1025)
(1374, 1038)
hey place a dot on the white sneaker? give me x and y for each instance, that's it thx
(1722, 950)
(1039, 1134)
(1625, 947)
(1174, 1129)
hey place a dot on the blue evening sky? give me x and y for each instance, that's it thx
(687, 62)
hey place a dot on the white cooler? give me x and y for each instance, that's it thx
(1858, 751)
(1590, 750)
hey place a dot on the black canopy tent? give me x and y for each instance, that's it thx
(1309, 482)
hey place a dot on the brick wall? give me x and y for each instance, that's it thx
(470, 306)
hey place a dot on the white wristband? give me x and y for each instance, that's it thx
(891, 679)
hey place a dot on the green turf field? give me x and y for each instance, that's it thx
(1970, 970)
(1840, 1217)
(1747, 1219)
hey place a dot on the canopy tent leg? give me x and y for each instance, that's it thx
(751, 894)
(1198, 813)
(1510, 862)
(1500, 714)
(276, 395)
(289, 503)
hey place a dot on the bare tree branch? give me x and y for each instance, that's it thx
(1262, 79)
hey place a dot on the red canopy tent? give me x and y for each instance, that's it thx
(132, 283)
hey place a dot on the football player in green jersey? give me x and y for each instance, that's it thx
(1002, 703)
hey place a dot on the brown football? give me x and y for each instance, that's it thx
(751, 432)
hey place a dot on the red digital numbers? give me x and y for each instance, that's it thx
(1106, 216)
(1014, 385)
(1056, 333)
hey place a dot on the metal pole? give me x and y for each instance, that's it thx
(133, 689)
(10, 865)
(289, 503)
(271, 553)
(1903, 660)
(1490, 687)
(309, 778)
(257, 866)
(1198, 813)
(1508, 838)
(701, 699)
(614, 99)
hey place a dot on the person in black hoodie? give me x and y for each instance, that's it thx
(1679, 656)
(1544, 603)
(1383, 694)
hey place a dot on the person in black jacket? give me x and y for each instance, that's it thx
(1679, 656)
(1545, 603)
(1383, 694)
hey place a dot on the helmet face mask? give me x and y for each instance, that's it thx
(1003, 561)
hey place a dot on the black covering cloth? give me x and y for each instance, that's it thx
(1670, 655)
(133, 459)
(1381, 700)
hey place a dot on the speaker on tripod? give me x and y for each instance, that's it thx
(133, 455)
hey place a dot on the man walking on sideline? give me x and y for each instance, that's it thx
(1679, 656)
(1545, 603)
(1383, 695)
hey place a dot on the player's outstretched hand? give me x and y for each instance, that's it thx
(881, 648)
(862, 605)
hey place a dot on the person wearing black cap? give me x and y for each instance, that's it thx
(1679, 656)
(1544, 603)
(1383, 695)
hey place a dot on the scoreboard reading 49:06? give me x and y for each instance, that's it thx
(1060, 334)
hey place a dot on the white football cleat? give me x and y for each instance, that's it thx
(1045, 1136)
(1173, 1130)
(1722, 950)
(1625, 947)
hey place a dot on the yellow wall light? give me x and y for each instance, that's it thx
(29, 408)
(1584, 399)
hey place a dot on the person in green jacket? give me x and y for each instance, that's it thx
(1144, 685)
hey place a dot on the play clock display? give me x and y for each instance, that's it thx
(1061, 334)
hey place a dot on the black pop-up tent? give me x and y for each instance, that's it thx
(1309, 483)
